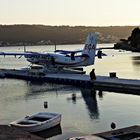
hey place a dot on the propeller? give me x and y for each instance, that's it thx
(99, 54)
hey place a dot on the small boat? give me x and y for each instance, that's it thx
(127, 133)
(38, 122)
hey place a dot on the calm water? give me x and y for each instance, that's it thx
(91, 112)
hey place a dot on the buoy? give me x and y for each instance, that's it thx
(45, 104)
(73, 97)
(113, 125)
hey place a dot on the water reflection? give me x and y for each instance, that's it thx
(100, 93)
(89, 97)
(136, 60)
(74, 98)
(35, 89)
(50, 132)
(61, 99)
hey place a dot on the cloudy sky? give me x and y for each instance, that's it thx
(70, 12)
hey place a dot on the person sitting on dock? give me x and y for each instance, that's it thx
(92, 75)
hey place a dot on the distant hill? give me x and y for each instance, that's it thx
(40, 34)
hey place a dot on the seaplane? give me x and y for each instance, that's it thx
(62, 59)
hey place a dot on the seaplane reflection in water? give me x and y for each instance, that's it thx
(89, 96)
(62, 59)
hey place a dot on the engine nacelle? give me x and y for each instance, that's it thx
(99, 54)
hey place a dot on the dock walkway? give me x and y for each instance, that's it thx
(103, 83)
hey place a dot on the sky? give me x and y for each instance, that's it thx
(70, 12)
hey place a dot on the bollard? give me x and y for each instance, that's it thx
(112, 74)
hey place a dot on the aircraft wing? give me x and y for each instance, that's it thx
(12, 54)
(76, 51)
(67, 52)
(21, 53)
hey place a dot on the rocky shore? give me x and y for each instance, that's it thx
(10, 133)
(126, 47)
(132, 43)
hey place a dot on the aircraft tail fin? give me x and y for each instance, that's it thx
(90, 47)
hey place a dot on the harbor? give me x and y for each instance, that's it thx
(69, 70)
(79, 104)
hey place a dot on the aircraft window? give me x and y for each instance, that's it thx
(45, 56)
(42, 56)
(36, 56)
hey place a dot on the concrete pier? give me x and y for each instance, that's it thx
(102, 83)
(118, 85)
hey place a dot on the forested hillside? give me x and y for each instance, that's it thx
(40, 34)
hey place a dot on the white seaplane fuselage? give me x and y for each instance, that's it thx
(62, 58)
(59, 60)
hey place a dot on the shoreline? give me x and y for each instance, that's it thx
(125, 47)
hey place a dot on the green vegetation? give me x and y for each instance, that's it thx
(41, 35)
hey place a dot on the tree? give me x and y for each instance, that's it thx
(135, 38)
